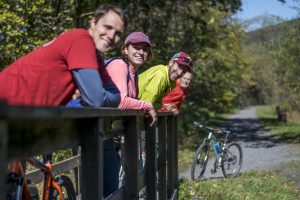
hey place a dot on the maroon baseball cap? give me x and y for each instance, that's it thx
(184, 59)
(137, 37)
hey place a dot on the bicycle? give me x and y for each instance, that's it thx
(60, 187)
(227, 156)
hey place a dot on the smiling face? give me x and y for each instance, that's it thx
(176, 71)
(107, 31)
(136, 54)
(185, 80)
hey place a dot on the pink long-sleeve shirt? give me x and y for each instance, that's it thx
(118, 71)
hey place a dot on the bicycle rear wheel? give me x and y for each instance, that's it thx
(200, 162)
(67, 188)
(232, 159)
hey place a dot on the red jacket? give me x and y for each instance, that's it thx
(174, 98)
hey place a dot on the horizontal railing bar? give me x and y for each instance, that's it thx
(37, 176)
(61, 112)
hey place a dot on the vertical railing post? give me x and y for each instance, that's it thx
(91, 183)
(175, 150)
(131, 159)
(150, 161)
(3, 146)
(162, 133)
(170, 156)
(75, 152)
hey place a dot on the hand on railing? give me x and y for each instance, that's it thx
(153, 115)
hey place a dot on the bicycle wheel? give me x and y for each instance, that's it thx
(67, 188)
(200, 161)
(232, 159)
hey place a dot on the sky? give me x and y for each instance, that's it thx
(253, 8)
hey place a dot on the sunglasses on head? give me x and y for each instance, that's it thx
(186, 60)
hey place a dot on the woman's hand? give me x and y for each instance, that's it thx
(153, 115)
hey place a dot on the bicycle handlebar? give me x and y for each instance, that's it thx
(219, 131)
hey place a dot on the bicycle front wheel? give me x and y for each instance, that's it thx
(67, 188)
(200, 162)
(232, 159)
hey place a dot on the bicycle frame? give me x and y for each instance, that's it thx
(211, 140)
(49, 182)
(227, 156)
(22, 192)
(17, 170)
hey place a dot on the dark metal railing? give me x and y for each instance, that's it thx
(30, 131)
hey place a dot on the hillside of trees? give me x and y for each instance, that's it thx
(268, 33)
(273, 57)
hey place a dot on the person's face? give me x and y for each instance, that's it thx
(137, 54)
(185, 80)
(107, 31)
(176, 71)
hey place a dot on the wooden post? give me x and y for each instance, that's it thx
(170, 157)
(92, 158)
(131, 159)
(75, 151)
(150, 161)
(281, 115)
(162, 184)
(3, 147)
(175, 150)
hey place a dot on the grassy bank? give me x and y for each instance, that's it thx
(254, 185)
(289, 131)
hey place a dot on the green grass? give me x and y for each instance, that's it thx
(185, 159)
(254, 185)
(289, 131)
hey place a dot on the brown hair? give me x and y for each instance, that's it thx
(125, 58)
(103, 9)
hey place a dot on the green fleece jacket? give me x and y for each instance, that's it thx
(154, 83)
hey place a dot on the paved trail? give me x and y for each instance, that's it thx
(261, 150)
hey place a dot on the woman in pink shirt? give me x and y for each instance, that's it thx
(123, 72)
